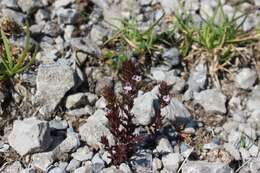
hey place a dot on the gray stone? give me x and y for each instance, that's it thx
(111, 169)
(29, 136)
(253, 103)
(98, 33)
(250, 22)
(246, 78)
(57, 170)
(257, 2)
(171, 161)
(29, 5)
(253, 150)
(247, 130)
(82, 154)
(255, 163)
(18, 17)
(143, 108)
(70, 143)
(103, 82)
(113, 15)
(97, 163)
(58, 124)
(85, 45)
(43, 160)
(10, 4)
(232, 150)
(87, 110)
(83, 169)
(175, 110)
(101, 3)
(245, 155)
(106, 156)
(51, 28)
(62, 3)
(4, 147)
(53, 81)
(211, 146)
(212, 101)
(206, 167)
(28, 170)
(172, 57)
(170, 6)
(198, 78)
(15, 167)
(125, 168)
(73, 164)
(67, 16)
(92, 98)
(76, 100)
(164, 146)
(68, 32)
(159, 73)
(145, 2)
(63, 165)
(171, 78)
(157, 164)
(143, 161)
(42, 15)
(96, 127)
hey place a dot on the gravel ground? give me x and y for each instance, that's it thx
(53, 115)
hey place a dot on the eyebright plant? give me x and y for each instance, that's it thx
(120, 118)
(11, 65)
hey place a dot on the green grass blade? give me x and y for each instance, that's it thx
(8, 51)
(24, 54)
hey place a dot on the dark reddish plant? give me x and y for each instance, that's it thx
(120, 118)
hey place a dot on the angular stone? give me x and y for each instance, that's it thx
(29, 136)
(143, 108)
(246, 78)
(29, 5)
(171, 161)
(43, 160)
(198, 78)
(15, 167)
(212, 101)
(82, 154)
(175, 110)
(206, 167)
(53, 81)
(76, 100)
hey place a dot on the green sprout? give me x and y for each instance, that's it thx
(9, 64)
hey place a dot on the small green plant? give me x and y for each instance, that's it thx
(216, 38)
(217, 31)
(139, 42)
(128, 38)
(10, 64)
(114, 59)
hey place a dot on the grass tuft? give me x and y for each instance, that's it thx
(218, 38)
(11, 65)
(129, 39)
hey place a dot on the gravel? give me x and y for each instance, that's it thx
(53, 114)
